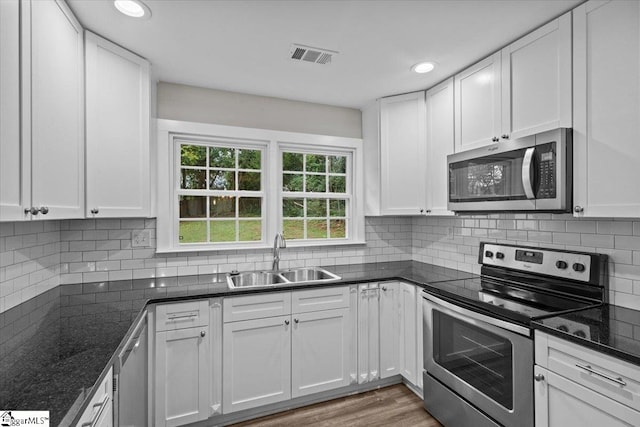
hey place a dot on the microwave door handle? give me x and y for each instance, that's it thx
(527, 173)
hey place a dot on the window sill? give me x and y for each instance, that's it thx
(290, 244)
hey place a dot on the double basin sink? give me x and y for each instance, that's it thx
(279, 278)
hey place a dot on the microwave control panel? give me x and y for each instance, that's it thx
(546, 165)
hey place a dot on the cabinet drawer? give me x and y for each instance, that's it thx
(256, 306)
(182, 315)
(100, 407)
(612, 377)
(320, 299)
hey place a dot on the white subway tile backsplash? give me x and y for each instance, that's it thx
(627, 242)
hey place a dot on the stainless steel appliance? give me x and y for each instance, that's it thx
(478, 347)
(527, 174)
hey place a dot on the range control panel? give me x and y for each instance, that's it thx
(566, 265)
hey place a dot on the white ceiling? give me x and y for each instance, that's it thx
(243, 46)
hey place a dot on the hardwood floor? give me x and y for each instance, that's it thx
(390, 406)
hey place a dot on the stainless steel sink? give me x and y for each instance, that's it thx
(274, 278)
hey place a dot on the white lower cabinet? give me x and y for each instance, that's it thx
(408, 332)
(389, 329)
(320, 351)
(182, 376)
(256, 363)
(99, 411)
(368, 332)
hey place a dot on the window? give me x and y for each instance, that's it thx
(316, 195)
(220, 196)
(230, 188)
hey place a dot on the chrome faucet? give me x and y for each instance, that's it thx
(278, 243)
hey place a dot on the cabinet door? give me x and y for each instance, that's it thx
(419, 339)
(440, 143)
(389, 329)
(256, 363)
(320, 351)
(14, 171)
(606, 102)
(560, 402)
(368, 333)
(408, 332)
(182, 376)
(478, 104)
(54, 123)
(403, 154)
(117, 131)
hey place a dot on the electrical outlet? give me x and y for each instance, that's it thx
(140, 239)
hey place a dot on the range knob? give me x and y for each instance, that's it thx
(499, 255)
(563, 328)
(578, 267)
(488, 254)
(561, 265)
(580, 334)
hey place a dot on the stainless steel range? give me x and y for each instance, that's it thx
(478, 341)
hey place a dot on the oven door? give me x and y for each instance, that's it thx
(486, 361)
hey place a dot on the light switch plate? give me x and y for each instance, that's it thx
(140, 239)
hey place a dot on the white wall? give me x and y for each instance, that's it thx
(194, 104)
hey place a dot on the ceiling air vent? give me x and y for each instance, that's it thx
(299, 52)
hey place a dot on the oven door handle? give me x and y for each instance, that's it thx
(518, 329)
(527, 173)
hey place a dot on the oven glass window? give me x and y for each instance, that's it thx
(490, 178)
(478, 357)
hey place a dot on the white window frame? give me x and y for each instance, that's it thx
(172, 132)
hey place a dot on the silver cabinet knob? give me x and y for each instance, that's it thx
(32, 210)
(384, 288)
(286, 322)
(44, 210)
(421, 210)
(539, 377)
(95, 211)
(505, 136)
(578, 209)
(428, 211)
(296, 320)
(495, 139)
(203, 333)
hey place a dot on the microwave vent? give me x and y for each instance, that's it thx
(299, 52)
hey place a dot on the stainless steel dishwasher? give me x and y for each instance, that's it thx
(131, 393)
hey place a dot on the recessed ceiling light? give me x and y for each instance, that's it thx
(133, 8)
(423, 67)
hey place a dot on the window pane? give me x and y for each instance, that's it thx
(316, 207)
(193, 207)
(337, 184)
(293, 229)
(317, 229)
(223, 231)
(192, 179)
(292, 208)
(249, 181)
(338, 164)
(316, 184)
(250, 230)
(337, 208)
(249, 159)
(250, 207)
(193, 155)
(193, 231)
(291, 162)
(316, 163)
(223, 207)
(222, 157)
(291, 182)
(337, 228)
(222, 180)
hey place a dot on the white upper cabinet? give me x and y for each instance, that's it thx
(402, 154)
(53, 107)
(522, 90)
(478, 104)
(440, 143)
(13, 190)
(118, 126)
(536, 81)
(606, 100)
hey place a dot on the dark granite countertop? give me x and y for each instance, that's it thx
(608, 329)
(56, 346)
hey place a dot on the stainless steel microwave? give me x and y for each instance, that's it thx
(533, 173)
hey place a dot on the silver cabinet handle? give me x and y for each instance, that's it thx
(32, 210)
(384, 288)
(95, 211)
(589, 369)
(203, 333)
(578, 209)
(286, 322)
(181, 316)
(97, 414)
(539, 377)
(505, 136)
(44, 210)
(495, 139)
(296, 320)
